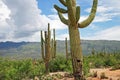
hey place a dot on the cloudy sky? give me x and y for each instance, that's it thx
(22, 20)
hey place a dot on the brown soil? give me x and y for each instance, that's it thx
(109, 74)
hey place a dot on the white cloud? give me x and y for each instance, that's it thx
(62, 36)
(107, 34)
(22, 19)
(112, 3)
(106, 11)
(4, 11)
(101, 9)
(4, 15)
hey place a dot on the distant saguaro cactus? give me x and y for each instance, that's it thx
(46, 51)
(66, 48)
(73, 12)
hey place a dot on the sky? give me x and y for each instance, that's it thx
(22, 20)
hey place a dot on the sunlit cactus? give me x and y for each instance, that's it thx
(73, 12)
(47, 50)
(66, 48)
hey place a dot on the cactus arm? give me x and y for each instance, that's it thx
(52, 48)
(49, 33)
(77, 13)
(54, 42)
(46, 42)
(55, 48)
(60, 9)
(91, 16)
(65, 21)
(63, 2)
(71, 6)
(54, 34)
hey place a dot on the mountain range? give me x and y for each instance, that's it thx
(32, 49)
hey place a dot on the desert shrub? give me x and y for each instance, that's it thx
(60, 64)
(98, 63)
(86, 66)
(115, 67)
(110, 61)
(19, 69)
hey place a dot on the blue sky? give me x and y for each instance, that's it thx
(22, 20)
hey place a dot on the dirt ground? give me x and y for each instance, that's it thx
(109, 74)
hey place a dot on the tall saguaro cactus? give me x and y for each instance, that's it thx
(48, 49)
(73, 12)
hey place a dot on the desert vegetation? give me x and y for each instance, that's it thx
(25, 69)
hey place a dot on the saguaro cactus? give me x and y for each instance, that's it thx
(73, 12)
(45, 47)
(48, 50)
(66, 48)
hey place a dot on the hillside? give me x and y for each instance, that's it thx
(32, 49)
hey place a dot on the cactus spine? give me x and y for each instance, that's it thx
(46, 47)
(73, 12)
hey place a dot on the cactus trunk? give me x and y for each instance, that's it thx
(76, 52)
(47, 51)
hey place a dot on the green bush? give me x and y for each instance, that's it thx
(19, 69)
(60, 64)
(25, 69)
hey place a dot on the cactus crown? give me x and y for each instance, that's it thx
(73, 12)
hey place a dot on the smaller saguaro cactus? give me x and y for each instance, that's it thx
(48, 49)
(66, 48)
(45, 47)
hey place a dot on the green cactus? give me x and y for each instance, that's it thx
(66, 48)
(73, 12)
(48, 49)
(45, 47)
(53, 44)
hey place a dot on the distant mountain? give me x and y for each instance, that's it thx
(32, 49)
(8, 44)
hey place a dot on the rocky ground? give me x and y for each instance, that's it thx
(95, 74)
(101, 74)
